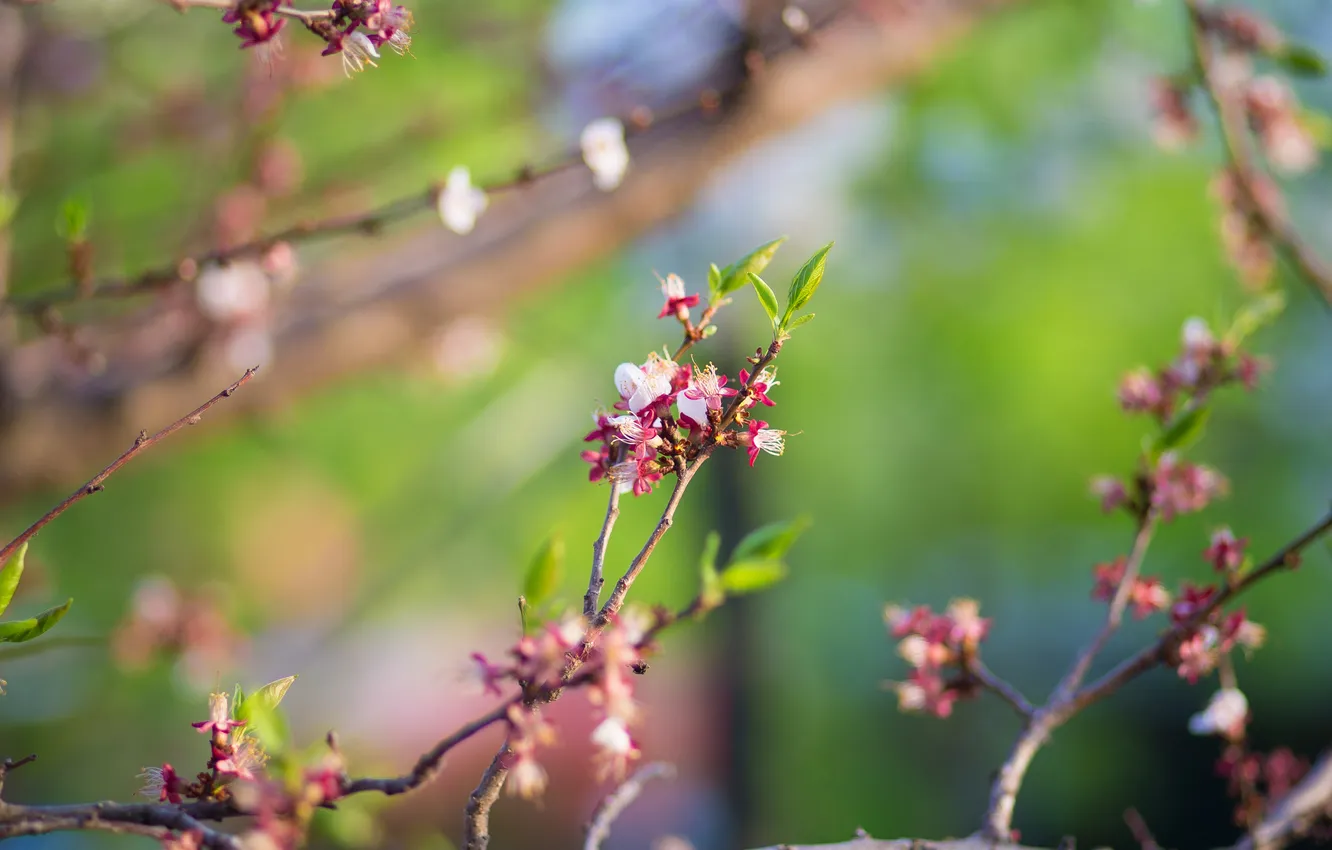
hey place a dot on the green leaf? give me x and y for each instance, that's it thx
(1302, 60)
(546, 571)
(714, 278)
(806, 282)
(1316, 124)
(271, 695)
(712, 592)
(771, 542)
(10, 574)
(72, 225)
(737, 274)
(798, 321)
(766, 298)
(18, 631)
(9, 204)
(260, 712)
(1255, 316)
(751, 576)
(1184, 430)
(266, 724)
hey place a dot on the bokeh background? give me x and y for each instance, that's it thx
(1009, 242)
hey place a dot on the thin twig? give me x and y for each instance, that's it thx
(596, 580)
(614, 803)
(1142, 833)
(141, 444)
(1000, 687)
(1064, 705)
(9, 765)
(1235, 136)
(431, 761)
(302, 15)
(1113, 619)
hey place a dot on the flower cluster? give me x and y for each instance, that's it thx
(1205, 363)
(256, 21)
(1146, 596)
(1175, 125)
(669, 412)
(1204, 644)
(1257, 779)
(1274, 115)
(233, 755)
(1243, 235)
(931, 643)
(357, 29)
(540, 663)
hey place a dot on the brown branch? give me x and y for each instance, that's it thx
(1132, 567)
(476, 824)
(1235, 136)
(864, 842)
(596, 580)
(153, 821)
(141, 444)
(986, 678)
(614, 803)
(1303, 807)
(1062, 706)
(431, 761)
(302, 15)
(1043, 721)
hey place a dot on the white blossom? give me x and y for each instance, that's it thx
(357, 52)
(461, 203)
(605, 152)
(1224, 715)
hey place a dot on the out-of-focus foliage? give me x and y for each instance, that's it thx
(1011, 248)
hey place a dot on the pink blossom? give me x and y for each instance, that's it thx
(705, 392)
(219, 724)
(1179, 487)
(1141, 392)
(161, 783)
(759, 389)
(759, 437)
(677, 302)
(1225, 553)
(1110, 491)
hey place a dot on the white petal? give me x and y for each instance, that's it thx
(695, 408)
(628, 378)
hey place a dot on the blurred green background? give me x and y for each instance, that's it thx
(1008, 244)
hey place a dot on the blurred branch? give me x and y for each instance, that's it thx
(141, 444)
(355, 314)
(865, 842)
(987, 679)
(1308, 803)
(1066, 702)
(1248, 177)
(614, 803)
(227, 5)
(152, 821)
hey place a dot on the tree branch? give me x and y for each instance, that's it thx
(1303, 807)
(141, 444)
(1065, 703)
(1235, 136)
(596, 581)
(614, 803)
